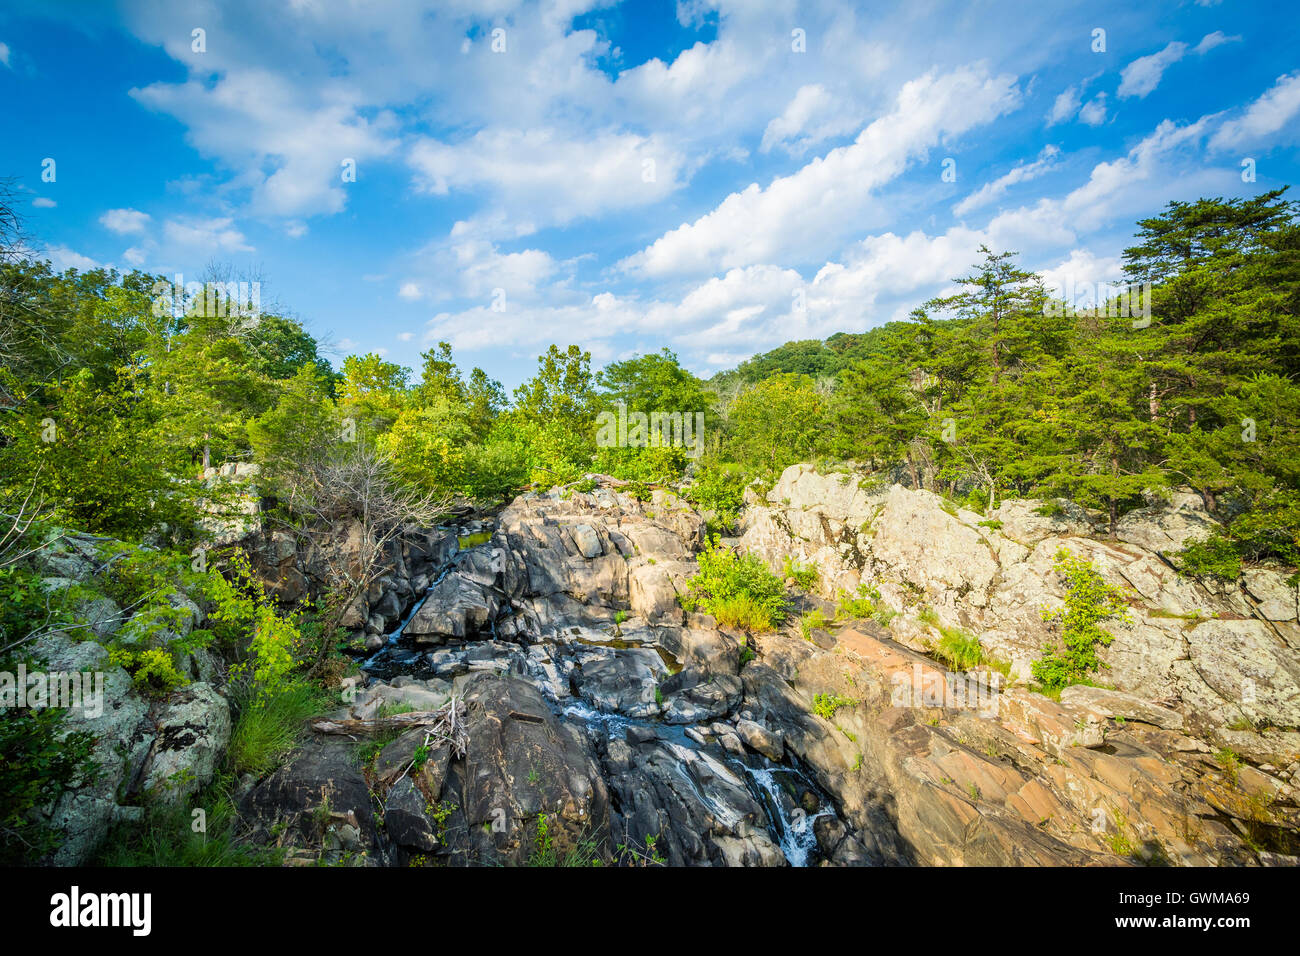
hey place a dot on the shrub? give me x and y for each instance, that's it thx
(960, 649)
(1088, 599)
(863, 603)
(1215, 557)
(825, 705)
(737, 587)
(805, 576)
(37, 761)
(720, 489)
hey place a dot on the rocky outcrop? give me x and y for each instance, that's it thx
(1216, 655)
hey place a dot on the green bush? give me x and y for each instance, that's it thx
(718, 488)
(37, 761)
(1215, 557)
(1088, 599)
(804, 576)
(739, 588)
(825, 705)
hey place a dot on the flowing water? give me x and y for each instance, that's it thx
(779, 789)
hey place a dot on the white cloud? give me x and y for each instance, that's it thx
(1143, 75)
(1023, 173)
(206, 235)
(42, 202)
(410, 291)
(1274, 110)
(1064, 107)
(62, 257)
(1093, 112)
(798, 214)
(135, 256)
(545, 177)
(1211, 40)
(125, 221)
(4, 53)
(811, 117)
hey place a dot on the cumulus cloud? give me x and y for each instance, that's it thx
(1274, 110)
(1065, 106)
(125, 221)
(216, 235)
(812, 116)
(1143, 75)
(798, 214)
(1093, 113)
(43, 202)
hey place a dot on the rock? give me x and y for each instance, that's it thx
(758, 738)
(193, 730)
(321, 781)
(457, 607)
(83, 814)
(1249, 669)
(522, 763)
(1277, 601)
(1114, 703)
(1167, 527)
(625, 681)
(692, 697)
(586, 540)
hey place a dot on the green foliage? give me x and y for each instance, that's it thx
(274, 636)
(960, 649)
(38, 759)
(1088, 600)
(863, 603)
(776, 422)
(804, 577)
(738, 590)
(167, 836)
(91, 451)
(268, 724)
(1215, 557)
(719, 488)
(825, 705)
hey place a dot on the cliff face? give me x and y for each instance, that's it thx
(581, 707)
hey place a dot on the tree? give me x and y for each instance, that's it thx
(351, 505)
(777, 422)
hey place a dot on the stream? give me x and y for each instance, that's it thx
(781, 790)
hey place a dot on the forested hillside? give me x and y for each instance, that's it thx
(116, 397)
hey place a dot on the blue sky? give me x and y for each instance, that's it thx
(717, 177)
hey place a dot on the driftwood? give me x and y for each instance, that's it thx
(374, 725)
(444, 725)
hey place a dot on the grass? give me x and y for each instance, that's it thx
(812, 621)
(804, 576)
(960, 649)
(1229, 763)
(268, 727)
(744, 612)
(582, 853)
(166, 836)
